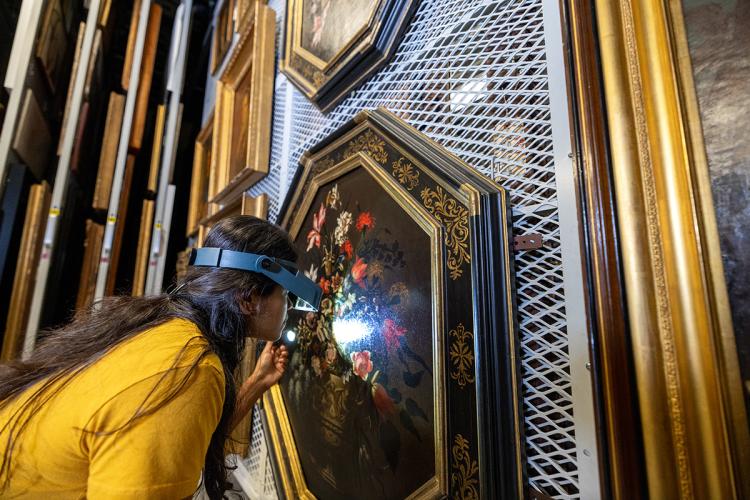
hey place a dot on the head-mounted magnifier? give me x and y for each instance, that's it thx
(303, 291)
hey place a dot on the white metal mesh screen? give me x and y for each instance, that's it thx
(472, 75)
(256, 476)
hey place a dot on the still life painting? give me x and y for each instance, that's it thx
(385, 394)
(333, 46)
(360, 390)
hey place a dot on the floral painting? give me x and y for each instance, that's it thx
(359, 389)
(329, 25)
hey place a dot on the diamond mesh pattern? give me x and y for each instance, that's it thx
(472, 75)
(258, 464)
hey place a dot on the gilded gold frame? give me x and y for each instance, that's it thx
(221, 38)
(245, 205)
(295, 37)
(290, 469)
(52, 44)
(237, 164)
(244, 9)
(144, 247)
(199, 206)
(314, 76)
(465, 196)
(40, 196)
(694, 422)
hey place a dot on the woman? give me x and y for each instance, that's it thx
(136, 396)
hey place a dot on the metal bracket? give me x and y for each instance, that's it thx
(527, 242)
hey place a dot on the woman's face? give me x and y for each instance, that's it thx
(268, 316)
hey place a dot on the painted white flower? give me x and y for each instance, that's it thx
(333, 198)
(346, 303)
(343, 223)
(312, 273)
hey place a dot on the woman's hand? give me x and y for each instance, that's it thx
(269, 368)
(270, 365)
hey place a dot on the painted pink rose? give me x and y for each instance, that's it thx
(362, 364)
(392, 332)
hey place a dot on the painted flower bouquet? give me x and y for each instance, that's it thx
(348, 350)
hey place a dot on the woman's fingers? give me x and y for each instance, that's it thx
(269, 348)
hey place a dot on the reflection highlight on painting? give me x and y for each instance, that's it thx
(359, 388)
(329, 25)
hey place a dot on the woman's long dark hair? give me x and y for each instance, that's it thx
(208, 297)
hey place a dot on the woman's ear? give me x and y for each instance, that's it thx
(249, 303)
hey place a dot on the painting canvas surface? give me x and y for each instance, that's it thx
(329, 25)
(359, 388)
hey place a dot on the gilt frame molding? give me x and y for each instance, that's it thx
(694, 422)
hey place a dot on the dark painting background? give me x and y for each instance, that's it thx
(356, 440)
(719, 42)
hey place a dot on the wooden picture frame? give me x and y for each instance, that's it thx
(153, 171)
(80, 136)
(395, 198)
(23, 282)
(92, 250)
(69, 98)
(18, 183)
(333, 47)
(244, 108)
(33, 139)
(108, 153)
(199, 184)
(144, 247)
(692, 414)
(130, 47)
(146, 75)
(245, 205)
(122, 212)
(221, 39)
(243, 9)
(52, 44)
(94, 76)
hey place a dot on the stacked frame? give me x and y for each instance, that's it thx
(461, 431)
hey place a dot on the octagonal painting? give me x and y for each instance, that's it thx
(407, 374)
(333, 46)
(360, 391)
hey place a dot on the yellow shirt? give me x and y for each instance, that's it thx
(159, 455)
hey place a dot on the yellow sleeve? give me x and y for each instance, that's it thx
(160, 455)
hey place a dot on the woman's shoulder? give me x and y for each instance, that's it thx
(173, 344)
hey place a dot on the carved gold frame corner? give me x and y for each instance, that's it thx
(693, 418)
(249, 74)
